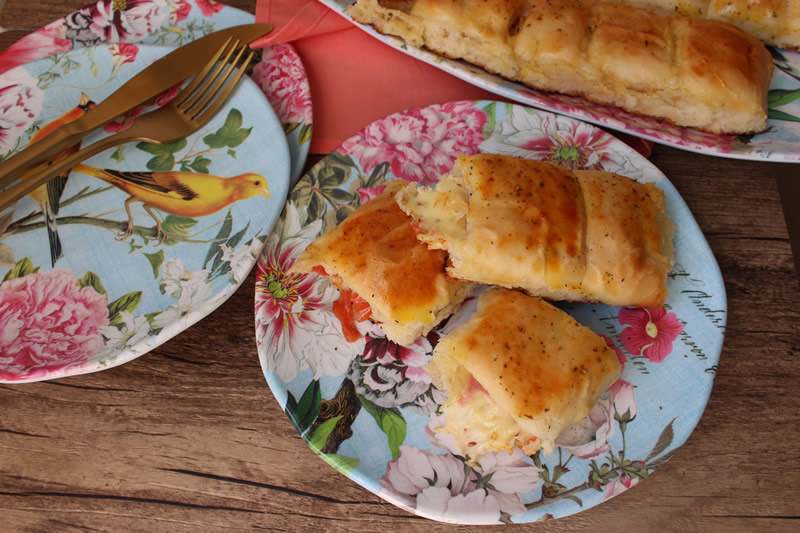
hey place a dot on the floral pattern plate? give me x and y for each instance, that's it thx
(279, 73)
(779, 142)
(368, 408)
(120, 287)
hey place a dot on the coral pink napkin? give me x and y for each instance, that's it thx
(356, 79)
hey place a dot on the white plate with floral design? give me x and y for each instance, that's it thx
(279, 73)
(367, 407)
(779, 142)
(89, 282)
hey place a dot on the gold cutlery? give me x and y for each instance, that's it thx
(163, 74)
(191, 109)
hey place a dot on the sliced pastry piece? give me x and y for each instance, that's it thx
(704, 74)
(384, 272)
(579, 235)
(518, 372)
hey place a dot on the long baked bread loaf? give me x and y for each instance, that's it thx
(585, 235)
(705, 74)
(776, 22)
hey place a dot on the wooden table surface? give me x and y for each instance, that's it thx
(189, 438)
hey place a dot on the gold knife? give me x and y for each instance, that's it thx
(164, 73)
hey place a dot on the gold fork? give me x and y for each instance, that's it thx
(186, 113)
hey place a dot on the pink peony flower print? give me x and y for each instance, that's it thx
(613, 345)
(619, 118)
(420, 479)
(440, 439)
(123, 122)
(167, 96)
(441, 486)
(20, 103)
(575, 104)
(122, 53)
(568, 104)
(136, 20)
(649, 332)
(619, 485)
(295, 326)
(179, 10)
(46, 41)
(47, 323)
(209, 8)
(689, 137)
(126, 52)
(420, 144)
(365, 194)
(589, 437)
(621, 396)
(511, 475)
(282, 78)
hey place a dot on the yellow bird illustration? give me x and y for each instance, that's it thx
(48, 196)
(187, 194)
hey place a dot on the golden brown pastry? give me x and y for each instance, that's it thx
(380, 267)
(518, 372)
(776, 22)
(579, 235)
(704, 74)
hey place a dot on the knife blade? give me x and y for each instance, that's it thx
(162, 74)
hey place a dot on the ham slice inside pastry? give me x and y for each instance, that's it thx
(517, 373)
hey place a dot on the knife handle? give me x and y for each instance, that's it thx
(37, 153)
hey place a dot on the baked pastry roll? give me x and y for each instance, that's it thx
(384, 271)
(775, 22)
(704, 74)
(518, 372)
(581, 235)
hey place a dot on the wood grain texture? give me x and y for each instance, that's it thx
(189, 438)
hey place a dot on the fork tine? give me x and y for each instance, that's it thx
(219, 82)
(191, 97)
(189, 89)
(220, 98)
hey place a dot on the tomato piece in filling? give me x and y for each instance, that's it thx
(361, 309)
(349, 308)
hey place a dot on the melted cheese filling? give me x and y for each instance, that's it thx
(441, 212)
(489, 428)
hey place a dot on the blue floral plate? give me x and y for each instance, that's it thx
(89, 281)
(368, 408)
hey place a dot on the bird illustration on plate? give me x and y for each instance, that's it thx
(182, 193)
(48, 196)
(169, 185)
